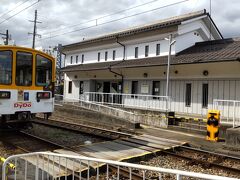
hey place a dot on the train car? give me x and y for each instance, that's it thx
(26, 83)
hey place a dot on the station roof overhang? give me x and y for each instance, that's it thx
(225, 50)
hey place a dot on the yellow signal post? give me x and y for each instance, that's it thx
(213, 123)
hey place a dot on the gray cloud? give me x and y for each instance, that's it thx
(58, 14)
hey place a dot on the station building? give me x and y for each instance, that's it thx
(204, 65)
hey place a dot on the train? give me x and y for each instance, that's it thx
(26, 83)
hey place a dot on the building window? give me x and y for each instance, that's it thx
(136, 52)
(82, 58)
(188, 95)
(134, 87)
(99, 56)
(114, 54)
(76, 59)
(71, 60)
(146, 51)
(70, 87)
(158, 49)
(205, 95)
(106, 56)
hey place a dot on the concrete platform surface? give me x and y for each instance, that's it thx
(233, 137)
(118, 150)
(194, 139)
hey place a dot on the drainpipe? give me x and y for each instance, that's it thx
(110, 67)
(110, 70)
(124, 48)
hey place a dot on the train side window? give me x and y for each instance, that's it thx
(6, 67)
(24, 69)
(43, 71)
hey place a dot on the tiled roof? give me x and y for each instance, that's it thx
(202, 52)
(173, 21)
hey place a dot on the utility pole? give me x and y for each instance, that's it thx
(59, 63)
(6, 36)
(171, 42)
(34, 34)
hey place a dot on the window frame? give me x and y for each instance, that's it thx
(136, 52)
(158, 47)
(188, 95)
(16, 68)
(70, 82)
(76, 59)
(114, 55)
(99, 56)
(205, 95)
(36, 70)
(106, 55)
(11, 68)
(146, 50)
(82, 59)
(71, 60)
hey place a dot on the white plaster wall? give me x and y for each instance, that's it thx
(152, 49)
(189, 32)
(187, 40)
(183, 41)
(92, 56)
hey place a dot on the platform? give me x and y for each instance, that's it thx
(233, 137)
(117, 150)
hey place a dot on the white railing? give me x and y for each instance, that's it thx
(229, 109)
(44, 165)
(141, 101)
(120, 113)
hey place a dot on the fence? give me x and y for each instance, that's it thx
(230, 111)
(116, 112)
(141, 101)
(44, 165)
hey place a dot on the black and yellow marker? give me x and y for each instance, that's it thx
(10, 165)
(213, 123)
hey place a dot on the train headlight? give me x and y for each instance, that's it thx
(5, 95)
(43, 95)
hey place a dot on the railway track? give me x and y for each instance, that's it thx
(208, 159)
(101, 132)
(27, 142)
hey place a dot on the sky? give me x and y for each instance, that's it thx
(69, 21)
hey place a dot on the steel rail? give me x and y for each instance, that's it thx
(106, 133)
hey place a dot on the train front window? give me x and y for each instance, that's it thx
(24, 69)
(43, 71)
(5, 67)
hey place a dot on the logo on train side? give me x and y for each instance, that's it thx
(22, 105)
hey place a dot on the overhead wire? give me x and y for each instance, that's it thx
(108, 15)
(11, 10)
(20, 11)
(111, 21)
(136, 14)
